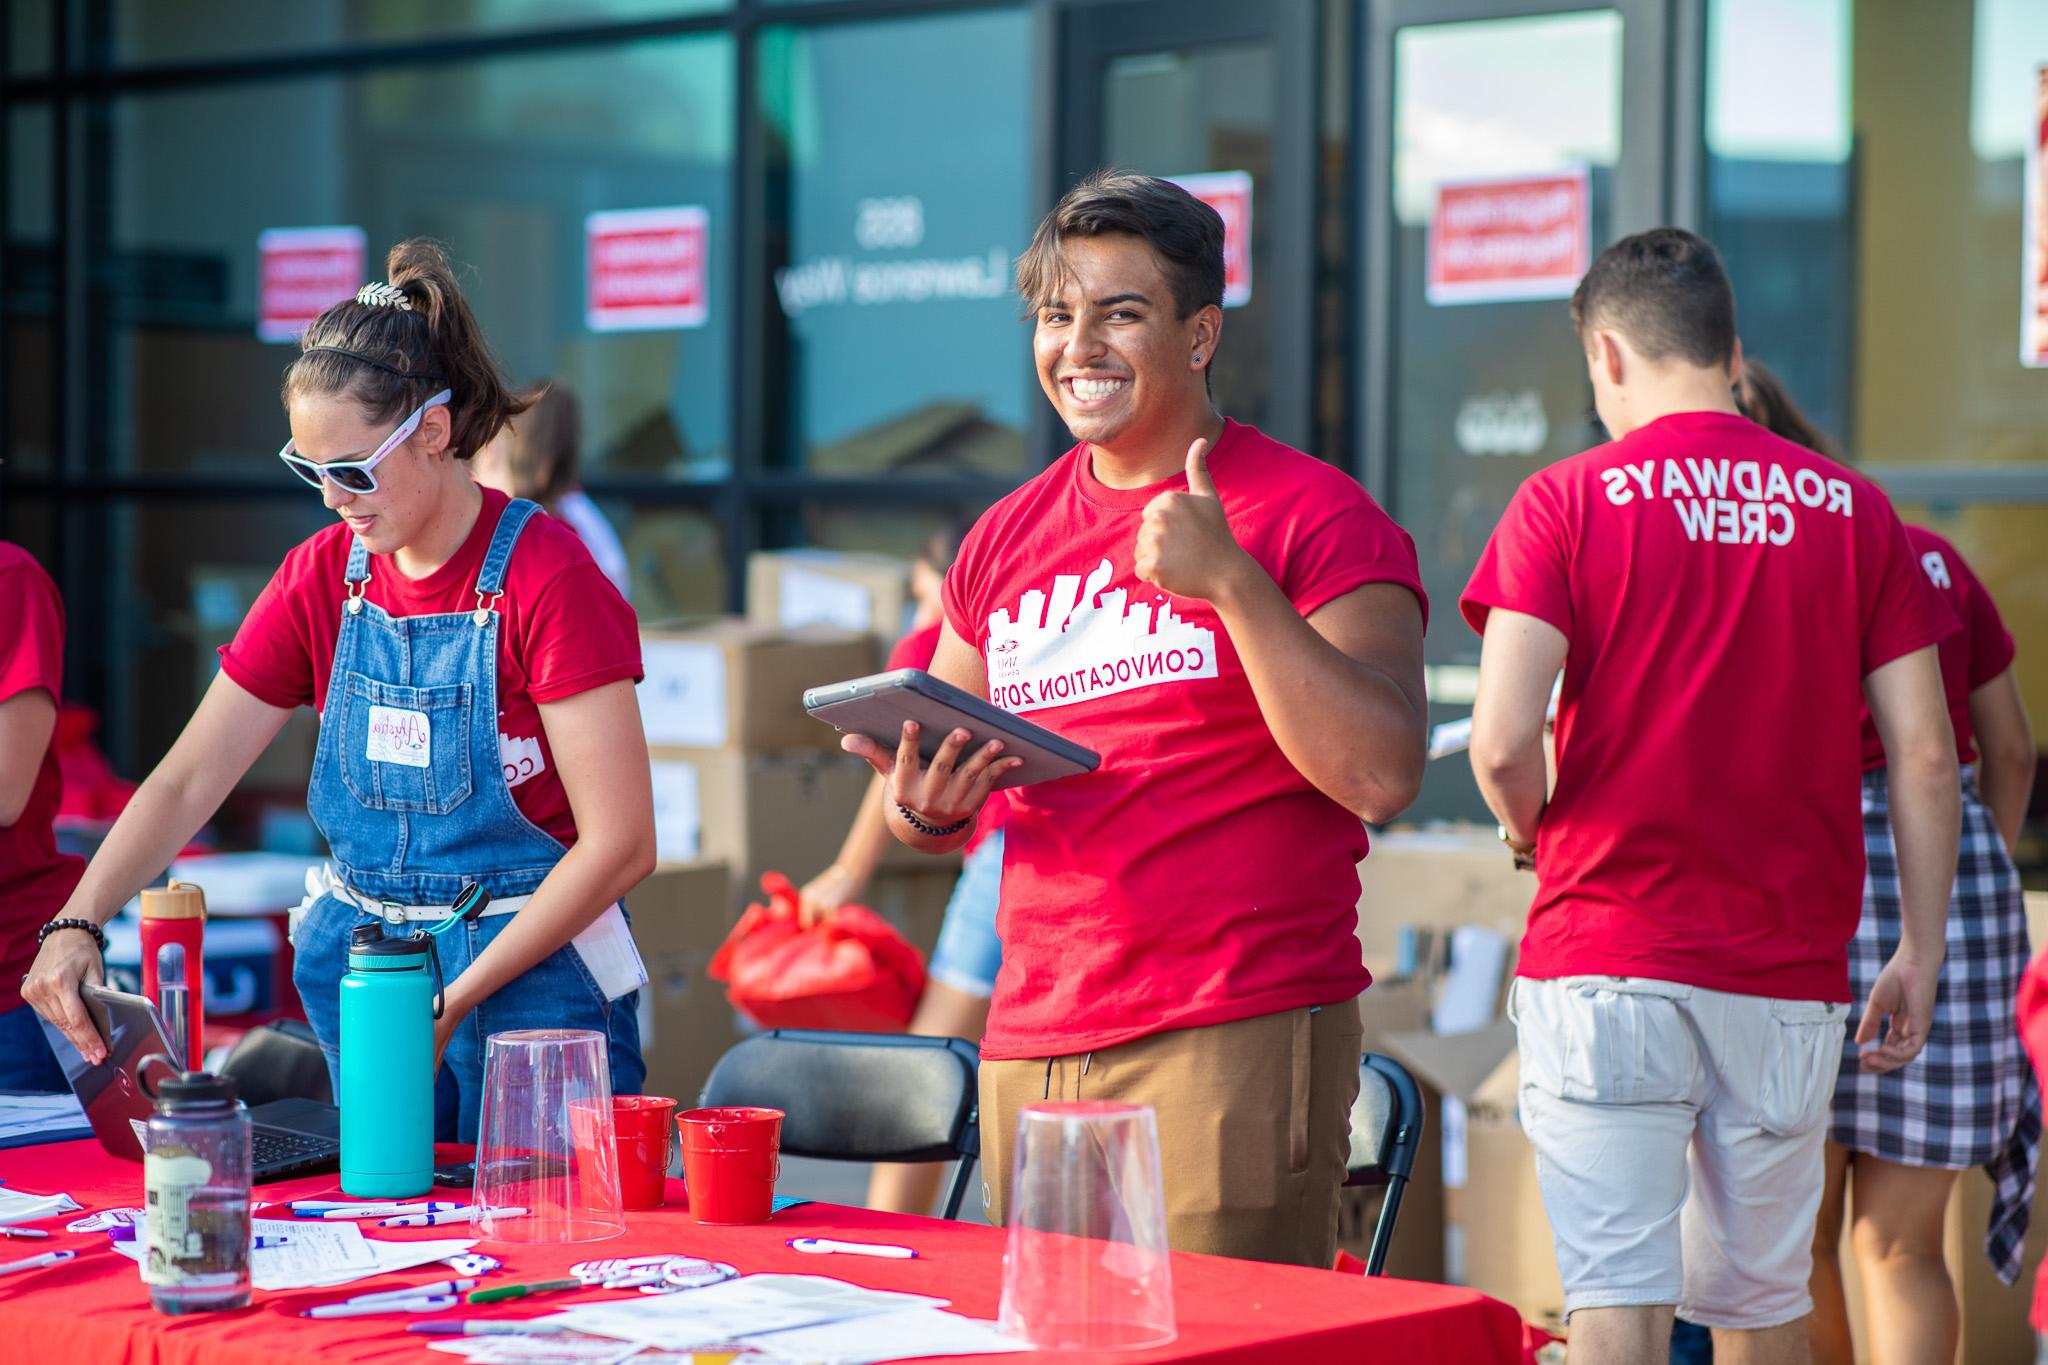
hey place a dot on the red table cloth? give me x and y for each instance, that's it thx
(96, 1309)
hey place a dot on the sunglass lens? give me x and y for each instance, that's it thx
(309, 474)
(354, 480)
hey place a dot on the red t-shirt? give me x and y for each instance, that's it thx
(1970, 657)
(35, 879)
(916, 650)
(1724, 593)
(1195, 877)
(564, 630)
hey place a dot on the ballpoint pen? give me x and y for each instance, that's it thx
(418, 1291)
(434, 1220)
(47, 1258)
(382, 1210)
(23, 1232)
(353, 1308)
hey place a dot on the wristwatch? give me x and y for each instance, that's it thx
(1525, 854)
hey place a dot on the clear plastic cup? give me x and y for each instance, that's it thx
(546, 1143)
(1087, 1266)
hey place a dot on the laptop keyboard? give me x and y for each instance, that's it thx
(273, 1149)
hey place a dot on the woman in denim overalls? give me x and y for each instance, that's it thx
(391, 394)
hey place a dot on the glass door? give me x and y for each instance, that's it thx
(1219, 96)
(1510, 141)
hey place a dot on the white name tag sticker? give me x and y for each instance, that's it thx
(400, 736)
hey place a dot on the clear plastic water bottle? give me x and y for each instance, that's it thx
(195, 1179)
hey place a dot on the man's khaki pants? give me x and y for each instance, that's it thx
(1254, 1125)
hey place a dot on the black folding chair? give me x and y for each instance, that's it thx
(861, 1096)
(1386, 1132)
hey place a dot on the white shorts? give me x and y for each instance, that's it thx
(1678, 1141)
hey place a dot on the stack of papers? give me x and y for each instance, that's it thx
(28, 1119)
(809, 1318)
(17, 1206)
(320, 1253)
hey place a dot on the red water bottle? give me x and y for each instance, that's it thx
(177, 914)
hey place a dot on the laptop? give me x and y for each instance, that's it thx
(287, 1138)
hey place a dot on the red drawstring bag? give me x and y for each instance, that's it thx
(851, 970)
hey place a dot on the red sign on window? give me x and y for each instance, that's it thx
(1510, 237)
(301, 273)
(647, 269)
(1230, 194)
(2034, 315)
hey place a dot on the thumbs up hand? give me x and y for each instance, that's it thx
(1184, 542)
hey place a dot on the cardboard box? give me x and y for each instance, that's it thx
(1496, 1235)
(786, 812)
(756, 812)
(679, 916)
(863, 592)
(914, 898)
(731, 683)
(1438, 879)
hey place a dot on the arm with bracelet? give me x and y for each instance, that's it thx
(932, 805)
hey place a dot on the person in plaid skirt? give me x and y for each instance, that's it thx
(1969, 1099)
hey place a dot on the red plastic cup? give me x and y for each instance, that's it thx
(646, 1136)
(731, 1157)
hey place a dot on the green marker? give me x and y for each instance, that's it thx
(520, 1291)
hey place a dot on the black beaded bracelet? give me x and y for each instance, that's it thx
(918, 823)
(99, 935)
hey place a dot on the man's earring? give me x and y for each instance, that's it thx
(1198, 357)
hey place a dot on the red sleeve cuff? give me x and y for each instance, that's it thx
(556, 689)
(1475, 608)
(1363, 575)
(254, 686)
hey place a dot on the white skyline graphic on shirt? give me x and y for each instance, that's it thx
(1083, 642)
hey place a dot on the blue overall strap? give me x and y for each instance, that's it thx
(518, 512)
(358, 563)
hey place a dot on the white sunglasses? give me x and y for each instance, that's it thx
(355, 475)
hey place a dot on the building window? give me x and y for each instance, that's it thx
(895, 209)
(208, 30)
(504, 159)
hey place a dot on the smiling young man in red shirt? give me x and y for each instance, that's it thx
(1236, 628)
(1721, 602)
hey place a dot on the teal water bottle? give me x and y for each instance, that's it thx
(390, 998)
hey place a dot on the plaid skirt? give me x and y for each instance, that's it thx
(1969, 1098)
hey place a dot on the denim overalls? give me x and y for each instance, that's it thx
(409, 823)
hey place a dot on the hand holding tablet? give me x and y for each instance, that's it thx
(936, 743)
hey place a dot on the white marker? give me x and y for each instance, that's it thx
(822, 1245)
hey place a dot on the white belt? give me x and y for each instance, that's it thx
(394, 913)
(605, 945)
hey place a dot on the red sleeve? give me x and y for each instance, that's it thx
(963, 611)
(1361, 544)
(917, 649)
(1991, 645)
(1903, 611)
(1523, 567)
(270, 657)
(34, 656)
(579, 634)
